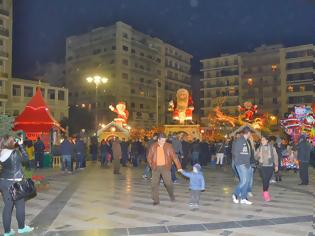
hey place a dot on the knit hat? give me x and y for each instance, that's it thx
(197, 166)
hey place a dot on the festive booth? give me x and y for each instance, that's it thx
(36, 121)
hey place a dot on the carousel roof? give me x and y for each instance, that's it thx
(36, 116)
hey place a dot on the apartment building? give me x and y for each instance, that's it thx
(135, 65)
(5, 50)
(274, 77)
(298, 73)
(261, 79)
(221, 79)
(15, 93)
(177, 74)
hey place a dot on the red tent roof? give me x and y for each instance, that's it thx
(35, 116)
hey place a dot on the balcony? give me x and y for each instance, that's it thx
(4, 54)
(4, 75)
(3, 96)
(4, 32)
(4, 12)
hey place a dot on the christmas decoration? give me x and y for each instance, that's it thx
(122, 113)
(249, 111)
(183, 107)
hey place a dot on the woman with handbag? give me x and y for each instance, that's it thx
(267, 157)
(11, 156)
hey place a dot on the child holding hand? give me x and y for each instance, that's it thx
(196, 184)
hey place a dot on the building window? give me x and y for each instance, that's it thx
(290, 88)
(113, 47)
(133, 51)
(275, 101)
(1, 42)
(133, 105)
(61, 95)
(302, 88)
(96, 51)
(142, 54)
(132, 91)
(141, 80)
(124, 75)
(141, 106)
(51, 94)
(125, 48)
(125, 62)
(28, 91)
(273, 68)
(125, 35)
(250, 82)
(16, 90)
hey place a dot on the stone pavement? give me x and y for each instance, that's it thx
(95, 202)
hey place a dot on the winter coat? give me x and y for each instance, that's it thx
(196, 180)
(169, 153)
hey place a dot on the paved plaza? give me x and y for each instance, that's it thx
(95, 202)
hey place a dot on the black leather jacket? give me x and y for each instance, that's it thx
(12, 167)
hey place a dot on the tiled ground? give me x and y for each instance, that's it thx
(95, 202)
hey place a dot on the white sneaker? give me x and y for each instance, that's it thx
(273, 181)
(245, 201)
(250, 194)
(235, 200)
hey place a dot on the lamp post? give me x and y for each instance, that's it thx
(97, 80)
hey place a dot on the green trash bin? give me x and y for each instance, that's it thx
(47, 160)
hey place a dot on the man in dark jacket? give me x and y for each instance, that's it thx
(303, 155)
(187, 152)
(204, 152)
(66, 149)
(195, 152)
(39, 149)
(80, 151)
(124, 152)
(241, 153)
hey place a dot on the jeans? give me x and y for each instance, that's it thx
(39, 159)
(250, 180)
(66, 159)
(31, 164)
(147, 171)
(80, 160)
(173, 173)
(195, 196)
(241, 188)
(194, 158)
(94, 156)
(104, 160)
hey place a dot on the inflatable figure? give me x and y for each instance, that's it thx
(122, 113)
(249, 111)
(183, 107)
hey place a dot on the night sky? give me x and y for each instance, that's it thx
(204, 28)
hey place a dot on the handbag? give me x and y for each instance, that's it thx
(22, 189)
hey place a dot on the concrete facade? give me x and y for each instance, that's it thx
(134, 63)
(274, 77)
(221, 79)
(15, 93)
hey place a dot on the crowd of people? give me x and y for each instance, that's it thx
(163, 156)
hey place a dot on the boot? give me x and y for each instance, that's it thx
(266, 196)
(280, 179)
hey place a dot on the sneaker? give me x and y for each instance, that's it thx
(196, 205)
(12, 232)
(272, 181)
(250, 194)
(25, 230)
(191, 204)
(246, 202)
(235, 200)
(144, 177)
(175, 182)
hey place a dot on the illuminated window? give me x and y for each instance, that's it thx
(250, 82)
(302, 88)
(274, 67)
(290, 88)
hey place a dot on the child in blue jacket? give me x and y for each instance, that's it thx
(196, 184)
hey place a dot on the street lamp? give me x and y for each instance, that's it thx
(97, 80)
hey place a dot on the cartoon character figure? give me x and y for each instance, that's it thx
(183, 107)
(122, 113)
(249, 110)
